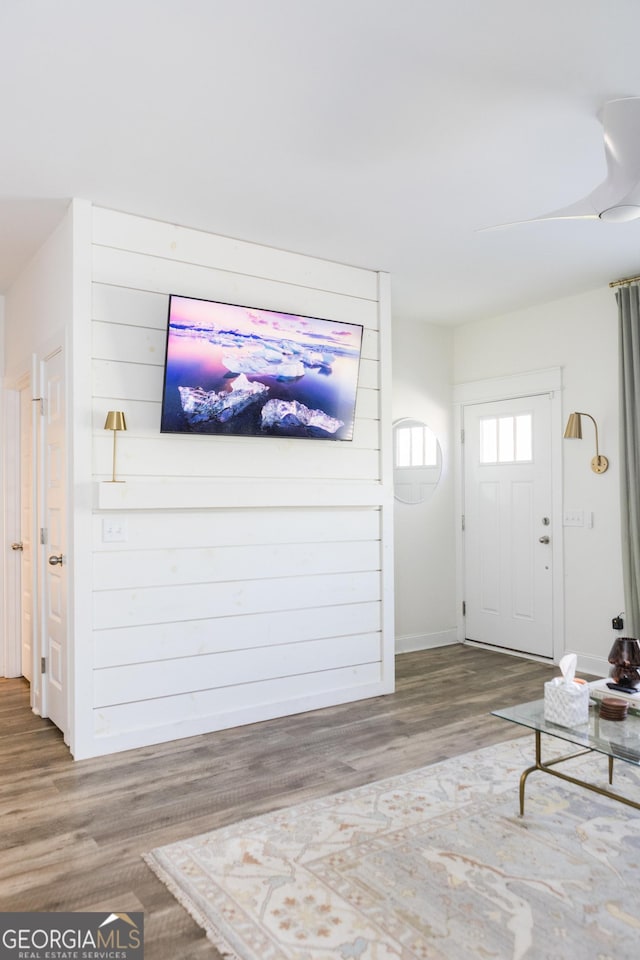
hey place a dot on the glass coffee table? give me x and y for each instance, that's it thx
(616, 739)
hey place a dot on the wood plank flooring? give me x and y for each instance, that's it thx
(73, 832)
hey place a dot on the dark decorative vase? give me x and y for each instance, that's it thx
(625, 657)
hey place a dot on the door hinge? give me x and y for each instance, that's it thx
(462, 435)
(43, 664)
(463, 524)
(39, 400)
(43, 535)
(464, 608)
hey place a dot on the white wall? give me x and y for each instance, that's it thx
(39, 302)
(255, 578)
(38, 316)
(6, 667)
(578, 334)
(424, 541)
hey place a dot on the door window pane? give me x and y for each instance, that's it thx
(506, 439)
(489, 440)
(524, 437)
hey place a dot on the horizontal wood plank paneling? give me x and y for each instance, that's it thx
(368, 375)
(143, 272)
(370, 345)
(367, 406)
(249, 579)
(268, 457)
(126, 381)
(114, 341)
(186, 714)
(187, 493)
(165, 240)
(163, 530)
(122, 306)
(153, 568)
(168, 641)
(119, 608)
(147, 681)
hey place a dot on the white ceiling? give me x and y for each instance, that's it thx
(382, 133)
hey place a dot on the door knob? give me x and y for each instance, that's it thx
(541, 540)
(55, 560)
(17, 546)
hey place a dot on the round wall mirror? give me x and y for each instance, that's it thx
(417, 461)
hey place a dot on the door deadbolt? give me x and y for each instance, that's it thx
(55, 560)
(545, 521)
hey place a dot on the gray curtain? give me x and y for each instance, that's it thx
(628, 298)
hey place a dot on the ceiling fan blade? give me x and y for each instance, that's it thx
(617, 198)
(581, 210)
(621, 125)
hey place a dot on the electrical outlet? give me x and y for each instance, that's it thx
(617, 623)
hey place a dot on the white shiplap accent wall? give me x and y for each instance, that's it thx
(255, 577)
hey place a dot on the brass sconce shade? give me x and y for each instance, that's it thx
(115, 421)
(573, 431)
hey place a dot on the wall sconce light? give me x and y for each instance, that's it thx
(573, 431)
(115, 421)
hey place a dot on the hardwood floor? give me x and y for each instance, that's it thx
(73, 832)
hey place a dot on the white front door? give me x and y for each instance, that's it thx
(507, 524)
(54, 559)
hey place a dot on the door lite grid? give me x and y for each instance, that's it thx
(506, 439)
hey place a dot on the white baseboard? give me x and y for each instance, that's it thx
(599, 666)
(426, 641)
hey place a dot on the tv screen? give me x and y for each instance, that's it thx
(231, 369)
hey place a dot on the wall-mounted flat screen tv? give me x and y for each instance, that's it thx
(233, 369)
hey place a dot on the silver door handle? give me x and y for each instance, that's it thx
(541, 540)
(55, 560)
(17, 546)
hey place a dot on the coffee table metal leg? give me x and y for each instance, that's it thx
(536, 766)
(546, 768)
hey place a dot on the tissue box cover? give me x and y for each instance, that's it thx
(566, 704)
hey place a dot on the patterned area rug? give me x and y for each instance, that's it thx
(432, 864)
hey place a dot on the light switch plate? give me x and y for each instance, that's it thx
(114, 530)
(573, 518)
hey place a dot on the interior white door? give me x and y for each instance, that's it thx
(54, 576)
(507, 524)
(27, 525)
